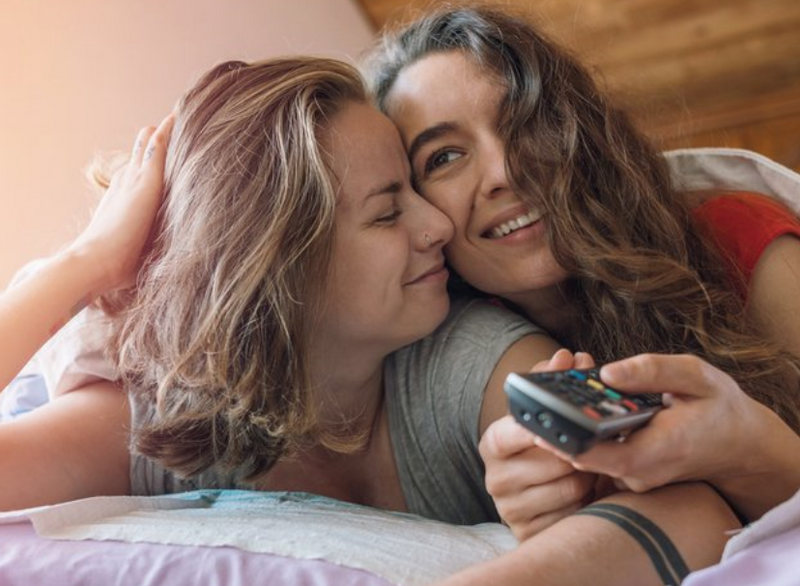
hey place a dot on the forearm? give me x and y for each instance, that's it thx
(586, 549)
(35, 309)
(769, 476)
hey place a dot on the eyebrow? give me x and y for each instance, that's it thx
(390, 188)
(428, 135)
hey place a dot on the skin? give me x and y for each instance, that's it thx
(446, 109)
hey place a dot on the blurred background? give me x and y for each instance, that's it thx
(82, 76)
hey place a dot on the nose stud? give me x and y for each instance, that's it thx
(427, 240)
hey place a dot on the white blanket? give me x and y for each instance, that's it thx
(401, 548)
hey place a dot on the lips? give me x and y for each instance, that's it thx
(432, 271)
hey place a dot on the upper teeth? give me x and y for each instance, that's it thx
(515, 224)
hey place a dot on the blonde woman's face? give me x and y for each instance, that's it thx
(389, 282)
(447, 111)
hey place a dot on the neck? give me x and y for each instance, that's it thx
(549, 308)
(348, 389)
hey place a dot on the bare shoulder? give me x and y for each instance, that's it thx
(519, 357)
(774, 303)
(74, 447)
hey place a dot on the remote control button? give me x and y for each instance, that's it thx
(592, 412)
(577, 374)
(612, 394)
(545, 418)
(562, 438)
(595, 384)
(630, 404)
(615, 408)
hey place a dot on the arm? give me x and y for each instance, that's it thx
(531, 488)
(603, 549)
(68, 449)
(103, 258)
(774, 303)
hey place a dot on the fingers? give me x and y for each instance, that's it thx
(505, 438)
(139, 147)
(151, 143)
(655, 373)
(159, 141)
(526, 469)
(584, 360)
(119, 234)
(531, 510)
(563, 359)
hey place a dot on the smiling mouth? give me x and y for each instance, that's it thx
(513, 225)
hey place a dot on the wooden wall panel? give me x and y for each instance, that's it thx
(692, 72)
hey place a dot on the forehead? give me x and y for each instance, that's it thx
(363, 151)
(441, 87)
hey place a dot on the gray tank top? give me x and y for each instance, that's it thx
(434, 392)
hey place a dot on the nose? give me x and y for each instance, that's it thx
(436, 229)
(494, 176)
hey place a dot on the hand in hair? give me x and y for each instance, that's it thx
(710, 431)
(106, 256)
(119, 231)
(531, 488)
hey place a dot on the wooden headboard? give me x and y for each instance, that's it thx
(692, 72)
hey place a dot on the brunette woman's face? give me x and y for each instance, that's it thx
(447, 111)
(389, 282)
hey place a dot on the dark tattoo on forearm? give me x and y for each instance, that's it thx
(665, 557)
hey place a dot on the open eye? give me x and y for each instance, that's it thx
(440, 158)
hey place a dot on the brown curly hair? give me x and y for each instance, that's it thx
(644, 277)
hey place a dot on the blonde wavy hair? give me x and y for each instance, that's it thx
(643, 275)
(218, 333)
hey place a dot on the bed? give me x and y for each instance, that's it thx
(145, 542)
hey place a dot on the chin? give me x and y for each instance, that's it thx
(434, 315)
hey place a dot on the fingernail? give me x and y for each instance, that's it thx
(613, 371)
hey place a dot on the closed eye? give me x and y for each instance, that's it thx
(389, 218)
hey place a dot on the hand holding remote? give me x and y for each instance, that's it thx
(531, 488)
(711, 430)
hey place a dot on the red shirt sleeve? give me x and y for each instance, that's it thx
(742, 225)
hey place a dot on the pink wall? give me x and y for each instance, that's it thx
(81, 76)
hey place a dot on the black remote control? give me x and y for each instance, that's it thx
(573, 409)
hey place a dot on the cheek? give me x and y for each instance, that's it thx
(464, 261)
